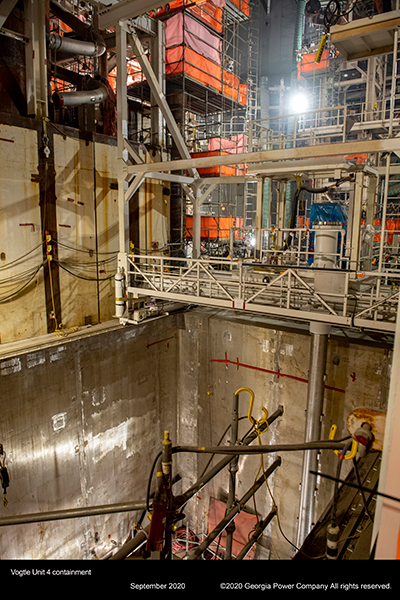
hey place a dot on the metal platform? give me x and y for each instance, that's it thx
(278, 291)
(367, 37)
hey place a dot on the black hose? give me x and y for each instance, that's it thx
(336, 494)
(307, 188)
(260, 449)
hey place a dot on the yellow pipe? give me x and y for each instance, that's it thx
(249, 415)
(354, 446)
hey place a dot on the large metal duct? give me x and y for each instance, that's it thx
(95, 92)
(91, 43)
(74, 47)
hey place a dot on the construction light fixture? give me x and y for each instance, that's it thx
(299, 103)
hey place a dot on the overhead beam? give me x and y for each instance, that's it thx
(122, 11)
(6, 8)
(170, 177)
(307, 166)
(323, 150)
(362, 38)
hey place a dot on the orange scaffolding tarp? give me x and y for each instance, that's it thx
(392, 225)
(180, 60)
(212, 228)
(242, 5)
(308, 64)
(205, 10)
(219, 170)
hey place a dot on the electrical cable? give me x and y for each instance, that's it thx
(333, 13)
(11, 295)
(220, 441)
(357, 474)
(18, 276)
(63, 245)
(62, 266)
(17, 260)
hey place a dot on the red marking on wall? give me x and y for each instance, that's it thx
(61, 225)
(278, 373)
(160, 341)
(6, 140)
(353, 376)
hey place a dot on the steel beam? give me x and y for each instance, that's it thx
(6, 8)
(259, 219)
(122, 136)
(339, 149)
(158, 137)
(73, 513)
(354, 221)
(122, 11)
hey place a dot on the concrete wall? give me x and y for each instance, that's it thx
(87, 219)
(224, 354)
(82, 419)
(85, 224)
(20, 236)
(84, 416)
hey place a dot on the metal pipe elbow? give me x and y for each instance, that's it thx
(95, 93)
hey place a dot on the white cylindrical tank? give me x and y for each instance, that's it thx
(325, 246)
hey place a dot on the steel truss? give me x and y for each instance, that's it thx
(368, 301)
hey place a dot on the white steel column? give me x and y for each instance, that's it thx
(280, 210)
(315, 397)
(259, 219)
(355, 219)
(370, 213)
(158, 65)
(196, 231)
(36, 59)
(122, 134)
(386, 532)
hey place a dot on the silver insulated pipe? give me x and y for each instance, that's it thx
(94, 93)
(74, 47)
(93, 90)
